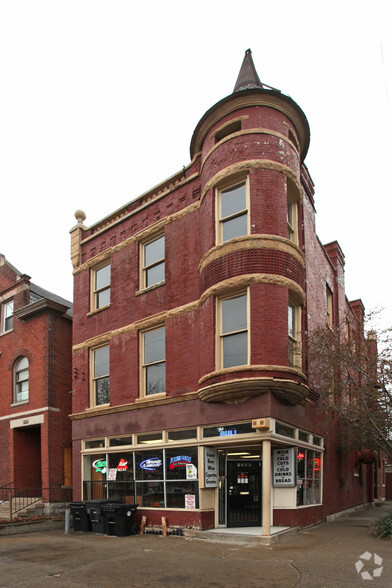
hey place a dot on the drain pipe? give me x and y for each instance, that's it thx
(67, 517)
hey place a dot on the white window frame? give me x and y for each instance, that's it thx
(294, 335)
(311, 481)
(220, 221)
(220, 336)
(6, 316)
(94, 379)
(158, 262)
(95, 292)
(292, 216)
(17, 382)
(144, 365)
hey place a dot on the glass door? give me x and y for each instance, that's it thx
(244, 493)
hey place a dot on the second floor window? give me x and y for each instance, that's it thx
(7, 316)
(154, 362)
(233, 336)
(294, 351)
(101, 287)
(232, 212)
(100, 382)
(21, 379)
(153, 262)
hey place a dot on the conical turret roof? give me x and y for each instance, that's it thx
(248, 78)
(250, 91)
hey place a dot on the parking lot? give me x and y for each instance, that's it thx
(325, 555)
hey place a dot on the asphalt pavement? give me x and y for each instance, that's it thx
(344, 552)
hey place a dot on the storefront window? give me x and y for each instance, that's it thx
(94, 486)
(181, 464)
(119, 441)
(177, 494)
(149, 465)
(308, 477)
(94, 443)
(302, 436)
(151, 478)
(181, 435)
(149, 469)
(284, 430)
(150, 494)
(120, 477)
(317, 440)
(149, 438)
(120, 466)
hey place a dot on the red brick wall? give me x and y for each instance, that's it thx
(190, 335)
(34, 454)
(301, 517)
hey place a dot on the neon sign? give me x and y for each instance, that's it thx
(180, 461)
(301, 455)
(151, 464)
(316, 463)
(100, 465)
(122, 465)
(225, 432)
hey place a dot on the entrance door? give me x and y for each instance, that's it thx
(244, 493)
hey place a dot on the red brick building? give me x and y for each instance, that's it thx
(35, 385)
(191, 303)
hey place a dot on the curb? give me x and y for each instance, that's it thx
(30, 527)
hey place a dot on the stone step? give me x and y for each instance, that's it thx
(30, 510)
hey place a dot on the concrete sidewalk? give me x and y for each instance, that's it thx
(323, 556)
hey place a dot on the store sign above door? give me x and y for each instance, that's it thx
(284, 466)
(228, 430)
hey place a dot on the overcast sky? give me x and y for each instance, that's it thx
(99, 100)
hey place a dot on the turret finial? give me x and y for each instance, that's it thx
(247, 78)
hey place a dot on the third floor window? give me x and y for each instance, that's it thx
(153, 262)
(7, 319)
(101, 287)
(232, 212)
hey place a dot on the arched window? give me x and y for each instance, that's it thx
(21, 379)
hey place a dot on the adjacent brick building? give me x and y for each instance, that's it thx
(35, 386)
(190, 307)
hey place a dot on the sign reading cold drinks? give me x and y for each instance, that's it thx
(284, 466)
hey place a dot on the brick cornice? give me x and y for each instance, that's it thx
(239, 390)
(140, 236)
(132, 406)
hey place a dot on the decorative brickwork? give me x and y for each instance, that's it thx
(256, 261)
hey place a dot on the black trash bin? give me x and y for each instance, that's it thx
(97, 514)
(119, 519)
(80, 517)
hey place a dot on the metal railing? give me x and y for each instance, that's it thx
(115, 490)
(4, 491)
(19, 499)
